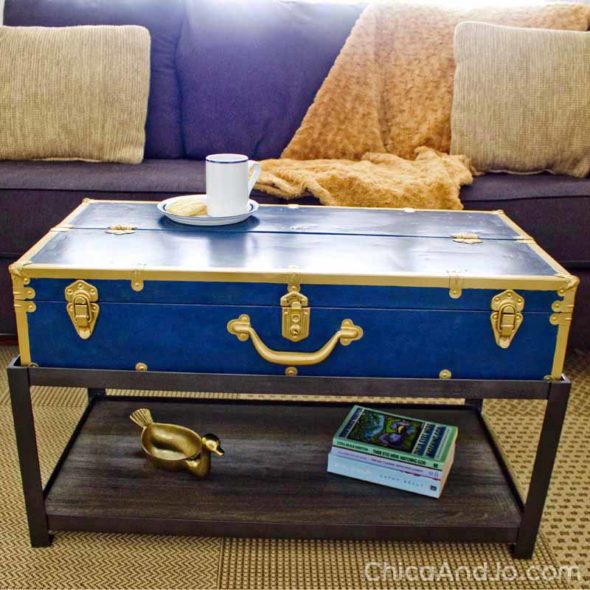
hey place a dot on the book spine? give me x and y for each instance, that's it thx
(381, 461)
(450, 440)
(385, 453)
(383, 476)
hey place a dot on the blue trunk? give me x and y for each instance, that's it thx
(423, 299)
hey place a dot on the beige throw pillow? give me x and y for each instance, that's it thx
(74, 93)
(521, 99)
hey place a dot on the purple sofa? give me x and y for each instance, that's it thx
(239, 77)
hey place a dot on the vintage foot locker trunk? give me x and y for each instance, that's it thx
(295, 290)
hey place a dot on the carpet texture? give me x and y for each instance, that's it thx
(84, 560)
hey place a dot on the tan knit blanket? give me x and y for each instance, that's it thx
(388, 98)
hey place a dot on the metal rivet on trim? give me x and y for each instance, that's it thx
(137, 279)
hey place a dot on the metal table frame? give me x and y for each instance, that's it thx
(21, 378)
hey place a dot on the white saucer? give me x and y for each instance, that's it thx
(205, 220)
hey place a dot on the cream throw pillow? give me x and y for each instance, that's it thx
(521, 99)
(74, 93)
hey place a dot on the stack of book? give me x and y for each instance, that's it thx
(394, 451)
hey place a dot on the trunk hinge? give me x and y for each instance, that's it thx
(120, 229)
(466, 238)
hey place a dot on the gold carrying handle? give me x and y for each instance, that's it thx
(242, 329)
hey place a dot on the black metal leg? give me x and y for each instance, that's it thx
(95, 392)
(542, 469)
(475, 403)
(24, 426)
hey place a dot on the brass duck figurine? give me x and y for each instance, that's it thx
(175, 447)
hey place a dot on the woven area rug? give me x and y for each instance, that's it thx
(83, 560)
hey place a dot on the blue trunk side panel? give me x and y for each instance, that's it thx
(396, 343)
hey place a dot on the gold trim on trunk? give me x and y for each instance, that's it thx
(563, 319)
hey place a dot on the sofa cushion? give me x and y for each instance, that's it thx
(514, 112)
(249, 70)
(162, 18)
(93, 99)
(554, 209)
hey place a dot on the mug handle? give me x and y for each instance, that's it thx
(253, 174)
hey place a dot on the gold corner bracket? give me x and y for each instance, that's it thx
(568, 292)
(23, 305)
(20, 282)
(82, 308)
(506, 317)
(561, 317)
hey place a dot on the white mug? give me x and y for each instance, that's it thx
(230, 178)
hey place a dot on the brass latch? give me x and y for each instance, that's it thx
(506, 317)
(295, 314)
(82, 307)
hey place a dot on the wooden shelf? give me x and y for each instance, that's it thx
(272, 480)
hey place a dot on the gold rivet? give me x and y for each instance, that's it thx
(141, 367)
(445, 374)
(291, 371)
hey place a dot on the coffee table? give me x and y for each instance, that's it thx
(298, 302)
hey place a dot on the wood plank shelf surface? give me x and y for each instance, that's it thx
(272, 480)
